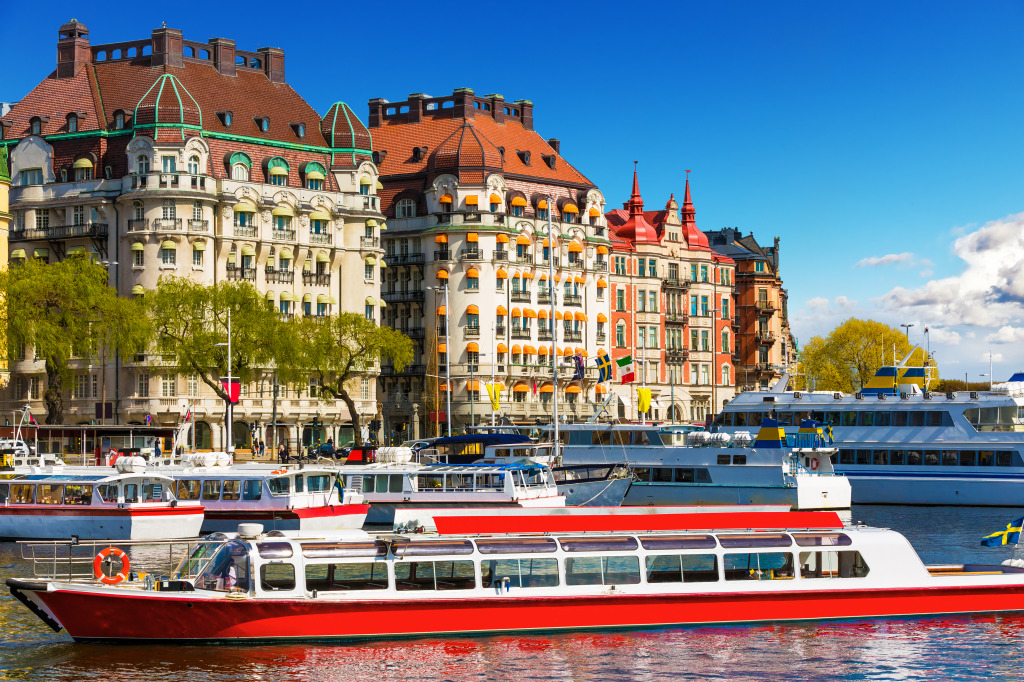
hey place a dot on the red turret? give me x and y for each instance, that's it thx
(694, 237)
(636, 228)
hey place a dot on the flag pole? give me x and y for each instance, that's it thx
(551, 321)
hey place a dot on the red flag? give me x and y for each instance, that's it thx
(535, 387)
(233, 390)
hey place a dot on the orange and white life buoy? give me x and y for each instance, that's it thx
(814, 463)
(278, 472)
(97, 566)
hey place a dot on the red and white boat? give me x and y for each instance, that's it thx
(718, 568)
(111, 504)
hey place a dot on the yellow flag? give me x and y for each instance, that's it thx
(643, 396)
(493, 390)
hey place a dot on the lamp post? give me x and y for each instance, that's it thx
(551, 322)
(230, 449)
(447, 356)
(907, 328)
(103, 363)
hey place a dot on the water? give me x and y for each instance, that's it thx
(975, 647)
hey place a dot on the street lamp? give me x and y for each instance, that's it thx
(907, 328)
(103, 362)
(229, 412)
(447, 354)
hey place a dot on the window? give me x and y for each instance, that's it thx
(704, 340)
(602, 570)
(167, 388)
(725, 308)
(193, 386)
(641, 299)
(32, 176)
(142, 163)
(703, 273)
(682, 568)
(119, 121)
(473, 283)
(42, 218)
(139, 258)
(405, 208)
(642, 336)
(436, 575)
(652, 337)
(168, 163)
(240, 171)
(36, 127)
(367, 271)
(197, 257)
(726, 375)
(517, 211)
(168, 210)
(137, 210)
(347, 576)
(282, 222)
(653, 301)
(72, 123)
(193, 165)
(532, 572)
(368, 310)
(83, 174)
(168, 255)
(693, 306)
(197, 210)
(725, 341)
(364, 389)
(620, 336)
(279, 180)
(832, 565)
(78, 215)
(640, 266)
(364, 189)
(759, 566)
(652, 269)
(542, 213)
(620, 300)
(142, 388)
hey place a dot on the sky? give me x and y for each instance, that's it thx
(880, 141)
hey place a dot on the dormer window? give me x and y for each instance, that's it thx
(549, 159)
(119, 120)
(36, 126)
(300, 129)
(524, 156)
(263, 123)
(72, 123)
(418, 154)
(225, 118)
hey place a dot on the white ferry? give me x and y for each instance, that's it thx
(899, 443)
(671, 467)
(91, 506)
(256, 586)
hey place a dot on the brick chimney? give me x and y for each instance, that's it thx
(554, 144)
(273, 63)
(464, 103)
(376, 112)
(525, 112)
(416, 107)
(497, 103)
(72, 49)
(167, 47)
(224, 56)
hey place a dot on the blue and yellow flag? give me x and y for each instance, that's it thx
(604, 368)
(1008, 536)
(339, 485)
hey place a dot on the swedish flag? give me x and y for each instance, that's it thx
(604, 367)
(339, 485)
(1009, 536)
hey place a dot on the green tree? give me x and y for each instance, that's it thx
(66, 310)
(190, 322)
(337, 349)
(850, 355)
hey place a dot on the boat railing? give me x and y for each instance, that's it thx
(75, 559)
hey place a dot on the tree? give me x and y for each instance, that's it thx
(852, 353)
(190, 321)
(65, 310)
(337, 349)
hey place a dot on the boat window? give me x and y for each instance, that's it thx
(23, 494)
(914, 457)
(279, 485)
(916, 419)
(516, 545)
(661, 475)
(967, 458)
(600, 437)
(427, 482)
(602, 570)
(642, 474)
(740, 419)
(682, 568)
(372, 575)
(435, 575)
(298, 483)
(275, 550)
(108, 492)
(756, 540)
(49, 494)
(949, 457)
(274, 577)
(834, 458)
(152, 492)
(532, 572)
(985, 458)
(231, 490)
(598, 544)
(880, 457)
(931, 457)
(679, 542)
(830, 418)
(435, 547)
(620, 437)
(693, 476)
(641, 438)
(759, 566)
(849, 418)
(863, 457)
(723, 460)
(847, 456)
(4, 492)
(78, 494)
(211, 489)
(882, 419)
(319, 483)
(188, 489)
(227, 570)
(754, 418)
(832, 565)
(739, 459)
(866, 418)
(933, 418)
(131, 492)
(821, 539)
(787, 418)
(899, 418)
(252, 489)
(897, 457)
(1004, 458)
(334, 550)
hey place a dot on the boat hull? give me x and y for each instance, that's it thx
(184, 617)
(48, 523)
(915, 488)
(604, 493)
(329, 517)
(817, 493)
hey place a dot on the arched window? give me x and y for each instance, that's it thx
(725, 375)
(169, 210)
(142, 163)
(725, 341)
(193, 165)
(119, 121)
(240, 171)
(620, 335)
(204, 436)
(36, 126)
(72, 123)
(405, 208)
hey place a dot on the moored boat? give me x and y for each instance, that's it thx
(256, 586)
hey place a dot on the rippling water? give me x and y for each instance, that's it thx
(977, 647)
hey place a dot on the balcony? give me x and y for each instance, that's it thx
(138, 224)
(59, 232)
(415, 332)
(577, 263)
(320, 279)
(245, 231)
(524, 259)
(248, 274)
(599, 266)
(521, 297)
(445, 255)
(470, 254)
(499, 257)
(403, 296)
(171, 180)
(280, 276)
(544, 296)
(389, 370)
(602, 337)
(677, 318)
(199, 226)
(472, 331)
(405, 259)
(499, 330)
(167, 224)
(572, 336)
(321, 237)
(765, 338)
(369, 242)
(677, 354)
(764, 367)
(765, 307)
(674, 283)
(526, 334)
(573, 299)
(543, 334)
(283, 235)
(472, 217)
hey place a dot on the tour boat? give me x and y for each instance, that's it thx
(111, 504)
(254, 586)
(671, 467)
(899, 443)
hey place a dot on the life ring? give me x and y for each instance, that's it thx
(97, 566)
(814, 463)
(277, 472)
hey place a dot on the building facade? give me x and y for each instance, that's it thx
(469, 190)
(169, 157)
(672, 310)
(5, 226)
(765, 345)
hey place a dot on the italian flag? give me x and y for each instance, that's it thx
(625, 369)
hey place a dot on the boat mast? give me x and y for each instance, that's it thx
(551, 318)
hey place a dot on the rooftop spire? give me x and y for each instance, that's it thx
(689, 215)
(635, 205)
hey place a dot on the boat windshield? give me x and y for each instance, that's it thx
(219, 565)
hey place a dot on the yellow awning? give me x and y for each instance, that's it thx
(283, 211)
(75, 249)
(544, 350)
(502, 348)
(383, 226)
(601, 284)
(573, 389)
(580, 317)
(313, 175)
(381, 263)
(472, 200)
(547, 242)
(136, 246)
(442, 348)
(527, 275)
(168, 244)
(570, 208)
(370, 300)
(472, 237)
(501, 310)
(324, 298)
(319, 215)
(542, 204)
(20, 253)
(83, 163)
(445, 199)
(530, 312)
(371, 222)
(321, 257)
(472, 272)
(307, 298)
(286, 254)
(579, 280)
(582, 352)
(518, 201)
(441, 310)
(473, 385)
(521, 387)
(517, 349)
(501, 274)
(138, 289)
(245, 207)
(473, 347)
(543, 313)
(365, 181)
(199, 246)
(270, 296)
(516, 312)
(380, 185)
(594, 213)
(601, 317)
(278, 170)
(547, 388)
(286, 296)
(383, 303)
(600, 388)
(247, 250)
(495, 199)
(370, 260)
(529, 350)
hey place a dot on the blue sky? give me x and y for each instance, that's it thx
(880, 141)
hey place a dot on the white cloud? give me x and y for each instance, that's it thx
(926, 273)
(1006, 334)
(996, 357)
(818, 304)
(904, 258)
(844, 303)
(947, 337)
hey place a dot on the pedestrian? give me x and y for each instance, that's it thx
(263, 448)
(280, 454)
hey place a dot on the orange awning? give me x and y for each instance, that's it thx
(441, 310)
(472, 310)
(527, 275)
(574, 247)
(544, 350)
(529, 350)
(502, 348)
(495, 199)
(542, 204)
(502, 273)
(547, 242)
(570, 208)
(517, 349)
(567, 353)
(518, 201)
(573, 389)
(502, 239)
(579, 280)
(521, 387)
(601, 284)
(441, 239)
(473, 272)
(582, 352)
(472, 200)
(543, 314)
(600, 389)
(474, 385)
(547, 388)
(442, 348)
(558, 314)
(522, 239)
(473, 347)
(516, 312)
(445, 199)
(442, 387)
(543, 276)
(502, 310)
(594, 213)
(601, 317)
(580, 317)
(558, 277)
(442, 274)
(603, 250)
(530, 312)
(472, 237)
